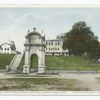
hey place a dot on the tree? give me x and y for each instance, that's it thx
(93, 50)
(60, 36)
(80, 39)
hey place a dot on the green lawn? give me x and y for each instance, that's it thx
(70, 63)
(55, 62)
(40, 84)
(5, 59)
(34, 61)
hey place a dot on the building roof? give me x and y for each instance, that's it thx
(12, 46)
(54, 40)
(33, 33)
(5, 43)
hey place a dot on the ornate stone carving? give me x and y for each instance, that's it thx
(34, 45)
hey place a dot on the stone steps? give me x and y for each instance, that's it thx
(15, 62)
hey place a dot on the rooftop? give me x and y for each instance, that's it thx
(33, 33)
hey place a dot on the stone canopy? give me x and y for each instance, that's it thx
(35, 44)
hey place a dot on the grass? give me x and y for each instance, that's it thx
(70, 63)
(5, 59)
(55, 62)
(34, 61)
(67, 63)
(39, 84)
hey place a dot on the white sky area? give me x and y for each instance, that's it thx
(15, 22)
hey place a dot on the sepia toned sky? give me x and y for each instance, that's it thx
(15, 22)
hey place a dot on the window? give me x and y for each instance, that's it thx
(46, 48)
(58, 43)
(8, 49)
(5, 48)
(51, 42)
(58, 49)
(46, 42)
(55, 43)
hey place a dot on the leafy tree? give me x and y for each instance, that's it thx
(80, 40)
(60, 36)
(93, 50)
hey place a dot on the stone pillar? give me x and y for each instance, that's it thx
(26, 67)
(41, 64)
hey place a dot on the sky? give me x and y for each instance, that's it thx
(15, 22)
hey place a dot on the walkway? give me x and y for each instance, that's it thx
(87, 80)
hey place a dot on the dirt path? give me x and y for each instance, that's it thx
(4, 76)
(87, 80)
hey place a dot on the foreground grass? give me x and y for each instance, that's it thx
(5, 59)
(39, 84)
(70, 63)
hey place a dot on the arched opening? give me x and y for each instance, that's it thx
(34, 63)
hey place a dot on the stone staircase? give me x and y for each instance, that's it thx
(15, 62)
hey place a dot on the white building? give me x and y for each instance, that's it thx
(8, 48)
(55, 47)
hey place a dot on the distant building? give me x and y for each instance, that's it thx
(55, 47)
(8, 48)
